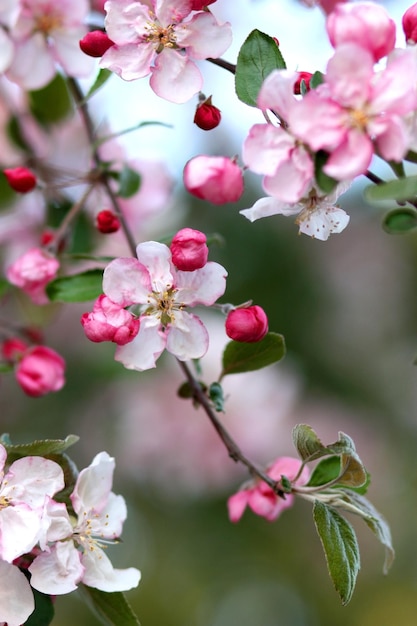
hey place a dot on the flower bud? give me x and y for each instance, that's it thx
(107, 222)
(20, 179)
(207, 116)
(189, 250)
(95, 43)
(13, 349)
(248, 325)
(410, 24)
(40, 371)
(109, 321)
(365, 24)
(32, 272)
(216, 179)
(199, 5)
(302, 76)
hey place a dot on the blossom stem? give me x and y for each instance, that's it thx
(230, 67)
(88, 124)
(233, 449)
(69, 217)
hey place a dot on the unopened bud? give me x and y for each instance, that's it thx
(247, 325)
(207, 116)
(13, 349)
(200, 5)
(107, 222)
(410, 24)
(20, 179)
(214, 178)
(95, 43)
(189, 250)
(302, 76)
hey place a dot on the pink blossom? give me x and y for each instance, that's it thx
(77, 555)
(189, 250)
(216, 179)
(261, 498)
(16, 597)
(23, 490)
(162, 292)
(40, 371)
(109, 322)
(46, 33)
(248, 324)
(276, 151)
(160, 37)
(317, 214)
(32, 272)
(358, 110)
(409, 23)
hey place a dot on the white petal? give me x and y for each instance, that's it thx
(156, 257)
(265, 207)
(69, 54)
(174, 77)
(188, 338)
(58, 571)
(322, 222)
(93, 485)
(32, 66)
(203, 286)
(100, 574)
(142, 353)
(19, 529)
(31, 479)
(126, 281)
(16, 597)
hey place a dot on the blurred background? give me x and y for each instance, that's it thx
(347, 308)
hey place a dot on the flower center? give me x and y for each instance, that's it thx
(47, 22)
(358, 119)
(162, 37)
(4, 502)
(163, 304)
(86, 537)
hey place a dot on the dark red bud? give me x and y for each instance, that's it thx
(199, 5)
(207, 116)
(107, 222)
(302, 76)
(20, 179)
(95, 43)
(410, 24)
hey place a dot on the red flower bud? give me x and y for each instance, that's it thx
(199, 5)
(249, 324)
(20, 179)
(95, 43)
(410, 24)
(107, 222)
(13, 349)
(189, 250)
(302, 76)
(207, 116)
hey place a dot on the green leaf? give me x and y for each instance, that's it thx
(246, 357)
(4, 286)
(340, 548)
(129, 182)
(326, 471)
(112, 608)
(399, 221)
(44, 610)
(76, 288)
(307, 443)
(217, 396)
(102, 77)
(52, 103)
(40, 447)
(258, 57)
(316, 80)
(376, 522)
(326, 183)
(353, 472)
(5, 368)
(401, 189)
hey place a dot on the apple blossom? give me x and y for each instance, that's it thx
(261, 498)
(160, 37)
(207, 116)
(23, 491)
(189, 250)
(109, 322)
(40, 370)
(247, 324)
(16, 597)
(409, 23)
(317, 214)
(32, 271)
(21, 179)
(356, 110)
(162, 292)
(364, 23)
(216, 179)
(46, 33)
(78, 554)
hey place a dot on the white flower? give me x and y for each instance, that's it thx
(77, 555)
(317, 215)
(16, 597)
